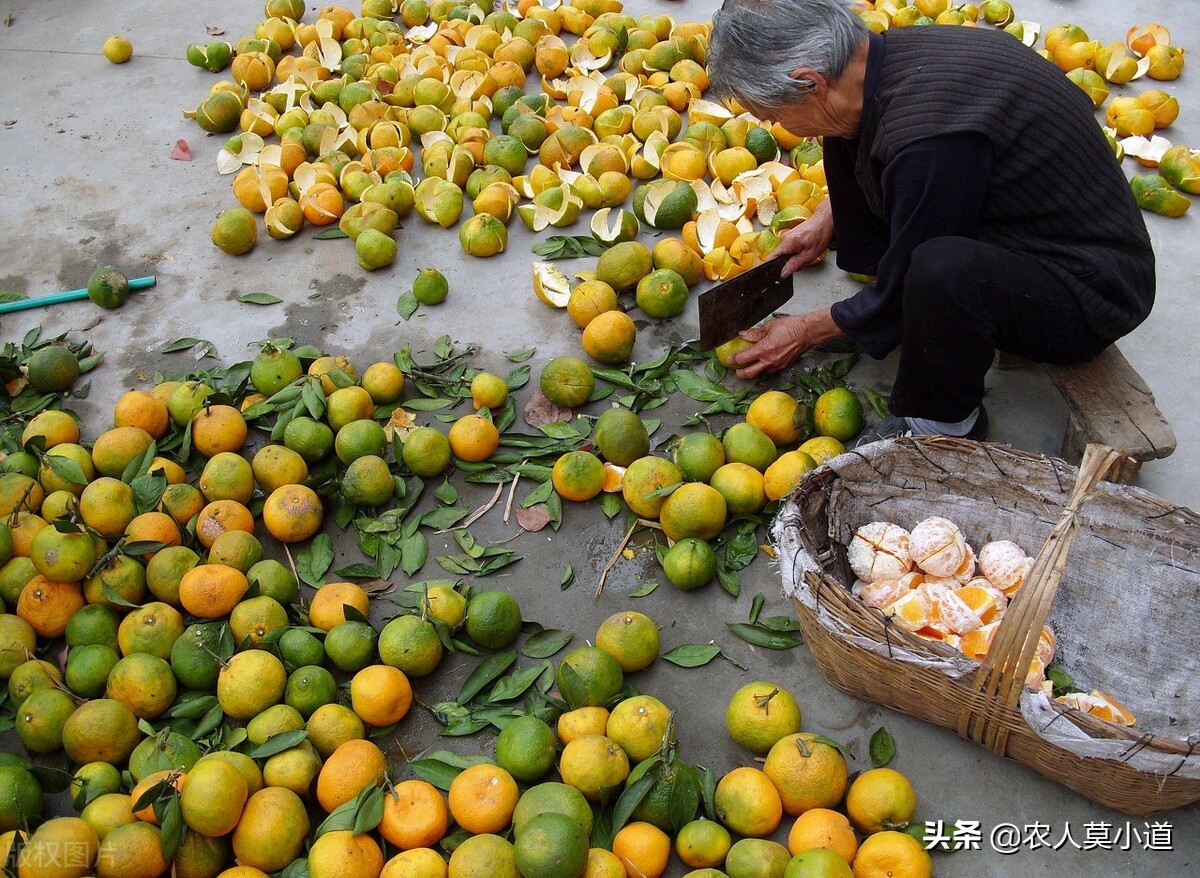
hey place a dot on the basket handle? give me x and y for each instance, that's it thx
(1001, 676)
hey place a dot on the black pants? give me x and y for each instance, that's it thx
(963, 301)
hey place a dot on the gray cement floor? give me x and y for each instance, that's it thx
(87, 180)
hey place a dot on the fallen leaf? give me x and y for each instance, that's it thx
(533, 519)
(182, 152)
(213, 30)
(9, 123)
(539, 410)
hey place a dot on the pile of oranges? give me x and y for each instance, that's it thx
(211, 714)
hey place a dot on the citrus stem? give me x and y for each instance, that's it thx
(764, 701)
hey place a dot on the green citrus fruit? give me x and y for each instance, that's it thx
(108, 287)
(493, 619)
(552, 846)
(690, 563)
(567, 381)
(621, 436)
(662, 293)
(589, 677)
(411, 644)
(52, 369)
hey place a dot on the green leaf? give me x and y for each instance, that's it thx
(277, 743)
(685, 796)
(414, 552)
(829, 742)
(765, 637)
(708, 789)
(259, 299)
(485, 673)
(756, 606)
(880, 403)
(883, 748)
(692, 655)
(442, 767)
(515, 685)
(518, 377)
(1063, 682)
(406, 305)
(313, 561)
(446, 493)
(664, 491)
(540, 494)
(180, 344)
(780, 623)
(356, 571)
(646, 588)
(330, 234)
(445, 517)
(370, 813)
(66, 469)
(150, 796)
(559, 430)
(173, 828)
(730, 581)
(634, 794)
(545, 643)
(427, 405)
(7, 297)
(698, 387)
(148, 490)
(741, 550)
(297, 868)
(611, 504)
(113, 598)
(568, 577)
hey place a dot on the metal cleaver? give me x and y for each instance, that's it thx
(742, 301)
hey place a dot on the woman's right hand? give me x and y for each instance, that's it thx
(807, 241)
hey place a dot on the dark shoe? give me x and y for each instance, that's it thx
(890, 428)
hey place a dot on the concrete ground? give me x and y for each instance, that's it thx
(84, 155)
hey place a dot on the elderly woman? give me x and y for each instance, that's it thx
(967, 174)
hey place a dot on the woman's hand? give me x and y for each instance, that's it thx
(808, 240)
(780, 342)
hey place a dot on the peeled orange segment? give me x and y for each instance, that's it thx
(983, 600)
(1100, 705)
(912, 612)
(881, 592)
(1036, 675)
(550, 285)
(951, 610)
(1047, 644)
(614, 478)
(975, 644)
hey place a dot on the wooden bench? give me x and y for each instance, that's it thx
(1109, 403)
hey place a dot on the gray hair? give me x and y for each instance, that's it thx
(757, 44)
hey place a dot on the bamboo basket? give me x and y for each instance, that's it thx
(994, 492)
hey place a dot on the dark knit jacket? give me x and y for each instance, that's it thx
(1056, 191)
